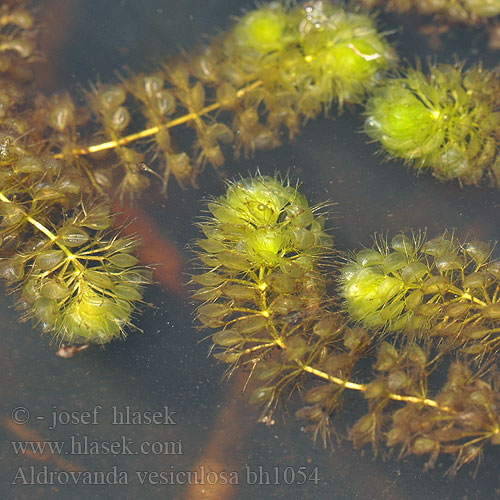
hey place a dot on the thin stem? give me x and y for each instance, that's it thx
(361, 387)
(259, 347)
(262, 285)
(122, 141)
(43, 229)
(467, 296)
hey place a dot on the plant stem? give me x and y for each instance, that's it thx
(361, 387)
(154, 130)
(43, 229)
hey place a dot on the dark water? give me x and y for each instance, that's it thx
(167, 366)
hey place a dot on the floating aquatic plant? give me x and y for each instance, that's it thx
(444, 290)
(460, 11)
(276, 66)
(446, 122)
(264, 269)
(76, 276)
(263, 285)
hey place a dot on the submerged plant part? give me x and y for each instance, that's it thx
(83, 285)
(18, 42)
(78, 279)
(318, 53)
(446, 122)
(458, 11)
(446, 291)
(75, 275)
(261, 284)
(276, 66)
(263, 288)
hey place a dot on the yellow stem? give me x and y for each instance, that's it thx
(361, 387)
(251, 311)
(43, 229)
(262, 285)
(154, 130)
(467, 296)
(259, 347)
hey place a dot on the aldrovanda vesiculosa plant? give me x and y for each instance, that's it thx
(75, 275)
(441, 289)
(455, 11)
(263, 284)
(275, 66)
(446, 122)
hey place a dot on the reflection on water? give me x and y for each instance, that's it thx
(172, 392)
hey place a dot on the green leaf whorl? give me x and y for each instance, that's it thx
(87, 294)
(316, 53)
(439, 288)
(261, 222)
(446, 121)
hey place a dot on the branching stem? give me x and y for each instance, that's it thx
(361, 387)
(71, 256)
(122, 141)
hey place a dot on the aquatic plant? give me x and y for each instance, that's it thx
(446, 121)
(77, 277)
(263, 282)
(440, 289)
(276, 66)
(264, 255)
(461, 11)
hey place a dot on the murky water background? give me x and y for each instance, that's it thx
(167, 365)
